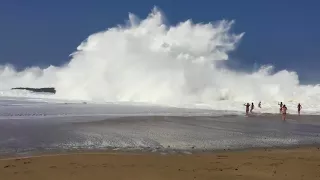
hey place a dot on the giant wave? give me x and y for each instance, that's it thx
(174, 65)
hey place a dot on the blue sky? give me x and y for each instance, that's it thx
(283, 33)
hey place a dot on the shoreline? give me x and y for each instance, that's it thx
(302, 162)
(150, 152)
(159, 151)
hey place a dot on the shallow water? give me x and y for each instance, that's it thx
(33, 128)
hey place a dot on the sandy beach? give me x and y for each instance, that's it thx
(297, 163)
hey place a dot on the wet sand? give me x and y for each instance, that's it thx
(297, 163)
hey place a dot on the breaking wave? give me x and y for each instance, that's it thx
(175, 65)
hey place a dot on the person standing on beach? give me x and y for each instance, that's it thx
(259, 105)
(247, 108)
(252, 107)
(280, 107)
(284, 112)
(299, 108)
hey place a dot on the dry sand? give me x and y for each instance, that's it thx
(298, 163)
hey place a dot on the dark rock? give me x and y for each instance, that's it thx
(45, 90)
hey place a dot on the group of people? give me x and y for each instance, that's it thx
(283, 109)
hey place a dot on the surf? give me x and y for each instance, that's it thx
(149, 61)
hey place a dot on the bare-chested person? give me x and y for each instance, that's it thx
(247, 108)
(284, 112)
(252, 107)
(299, 108)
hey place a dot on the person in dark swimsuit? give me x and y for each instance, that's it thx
(259, 105)
(247, 108)
(252, 107)
(299, 108)
(280, 106)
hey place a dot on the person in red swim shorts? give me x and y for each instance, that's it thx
(299, 108)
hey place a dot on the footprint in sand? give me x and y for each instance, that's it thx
(8, 166)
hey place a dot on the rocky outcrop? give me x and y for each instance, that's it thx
(43, 90)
